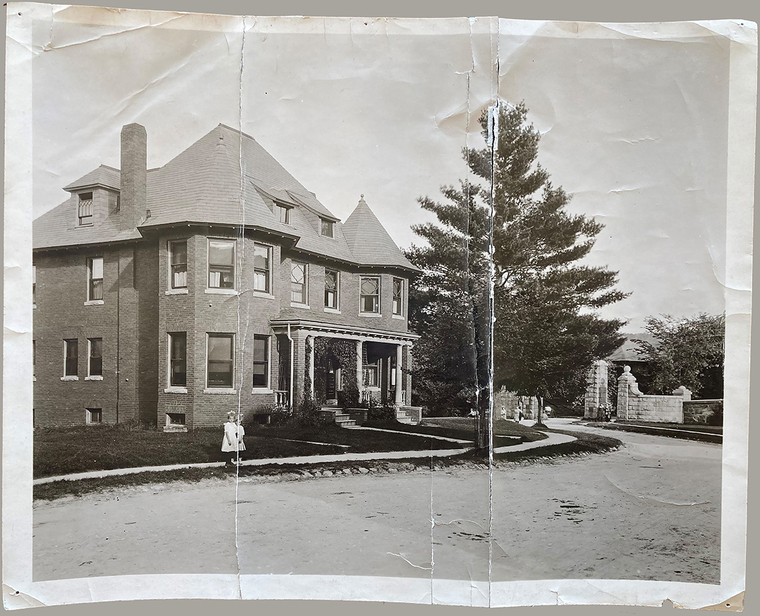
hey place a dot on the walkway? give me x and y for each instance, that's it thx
(552, 439)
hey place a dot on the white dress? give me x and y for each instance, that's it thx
(233, 433)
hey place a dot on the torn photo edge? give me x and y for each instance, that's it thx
(21, 591)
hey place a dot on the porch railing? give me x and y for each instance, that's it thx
(282, 398)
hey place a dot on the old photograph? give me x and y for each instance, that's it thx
(447, 311)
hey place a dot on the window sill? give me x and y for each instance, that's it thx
(263, 295)
(262, 390)
(400, 317)
(69, 378)
(176, 292)
(175, 390)
(297, 305)
(220, 390)
(94, 302)
(332, 310)
(94, 377)
(370, 314)
(221, 292)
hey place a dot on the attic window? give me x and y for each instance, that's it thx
(282, 213)
(328, 227)
(85, 209)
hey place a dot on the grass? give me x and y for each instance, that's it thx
(584, 443)
(62, 451)
(465, 428)
(709, 434)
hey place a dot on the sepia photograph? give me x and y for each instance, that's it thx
(449, 311)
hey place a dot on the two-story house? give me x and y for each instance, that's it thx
(214, 283)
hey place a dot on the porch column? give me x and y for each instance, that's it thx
(399, 385)
(310, 341)
(408, 374)
(359, 371)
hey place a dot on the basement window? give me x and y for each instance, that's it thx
(175, 419)
(94, 416)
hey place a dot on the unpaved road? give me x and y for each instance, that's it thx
(648, 511)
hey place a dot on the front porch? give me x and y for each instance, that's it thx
(339, 368)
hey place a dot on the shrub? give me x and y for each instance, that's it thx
(383, 413)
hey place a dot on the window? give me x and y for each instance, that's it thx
(95, 365)
(94, 416)
(34, 358)
(178, 359)
(371, 373)
(71, 357)
(261, 361)
(370, 294)
(221, 264)
(262, 261)
(298, 275)
(282, 213)
(398, 296)
(331, 289)
(34, 285)
(328, 227)
(175, 419)
(85, 209)
(95, 275)
(178, 261)
(220, 360)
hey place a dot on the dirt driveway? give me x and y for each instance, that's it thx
(648, 511)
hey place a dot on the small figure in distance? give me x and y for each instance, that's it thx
(233, 438)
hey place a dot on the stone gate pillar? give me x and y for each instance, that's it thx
(595, 400)
(625, 383)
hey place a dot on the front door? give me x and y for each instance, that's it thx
(332, 396)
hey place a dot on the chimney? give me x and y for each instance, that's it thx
(134, 175)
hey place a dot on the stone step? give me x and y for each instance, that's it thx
(347, 424)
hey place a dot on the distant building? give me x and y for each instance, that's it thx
(215, 282)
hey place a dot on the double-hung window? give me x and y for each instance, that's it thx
(221, 360)
(261, 362)
(331, 289)
(282, 213)
(221, 264)
(71, 358)
(371, 373)
(398, 296)
(95, 362)
(84, 209)
(327, 227)
(95, 279)
(178, 359)
(178, 264)
(298, 280)
(370, 294)
(262, 268)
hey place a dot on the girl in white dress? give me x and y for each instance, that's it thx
(233, 437)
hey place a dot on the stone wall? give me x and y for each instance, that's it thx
(508, 404)
(633, 405)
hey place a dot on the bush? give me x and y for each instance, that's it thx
(383, 413)
(308, 414)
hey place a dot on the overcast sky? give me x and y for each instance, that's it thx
(635, 129)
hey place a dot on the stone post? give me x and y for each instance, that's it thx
(683, 392)
(399, 386)
(625, 382)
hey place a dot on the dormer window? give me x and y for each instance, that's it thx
(85, 209)
(282, 213)
(328, 227)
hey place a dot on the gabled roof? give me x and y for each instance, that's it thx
(226, 178)
(369, 242)
(628, 351)
(102, 176)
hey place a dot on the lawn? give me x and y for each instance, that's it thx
(466, 428)
(87, 448)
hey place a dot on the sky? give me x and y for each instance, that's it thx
(634, 128)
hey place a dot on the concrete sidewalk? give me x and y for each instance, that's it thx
(552, 439)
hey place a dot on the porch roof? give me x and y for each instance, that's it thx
(347, 331)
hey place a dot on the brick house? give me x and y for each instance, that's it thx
(214, 283)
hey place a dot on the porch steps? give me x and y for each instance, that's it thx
(403, 417)
(344, 420)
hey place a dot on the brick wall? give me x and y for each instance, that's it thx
(62, 313)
